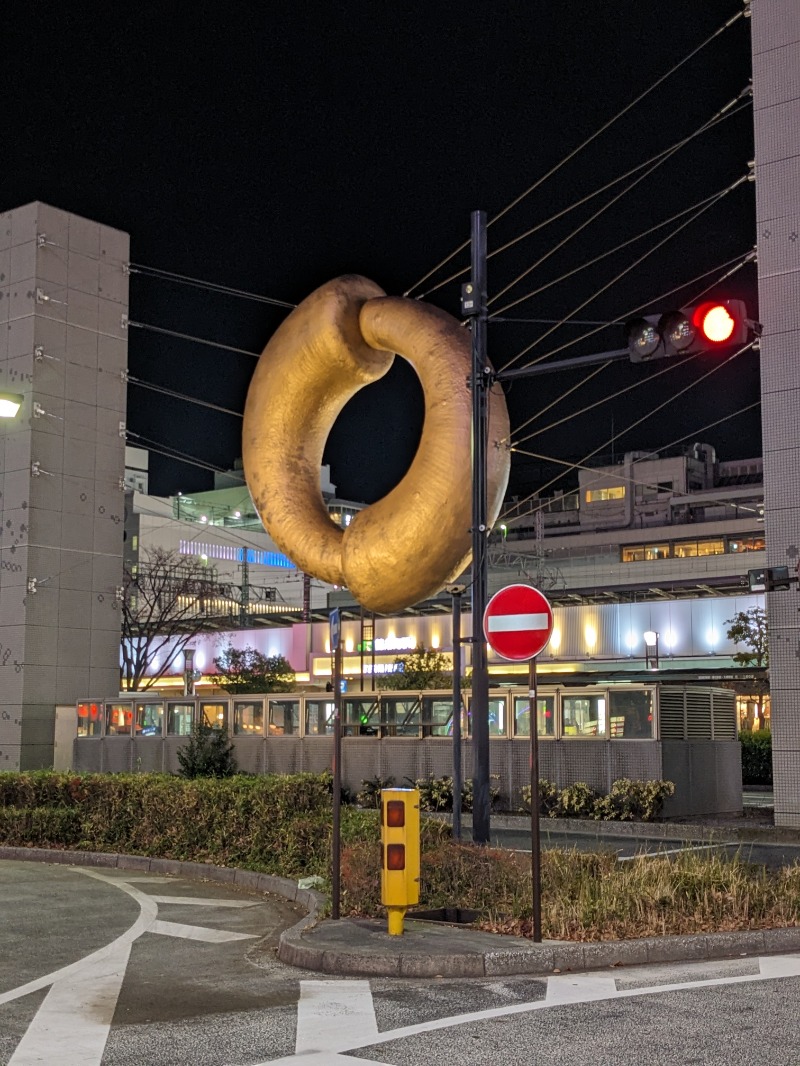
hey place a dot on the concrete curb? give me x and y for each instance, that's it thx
(538, 959)
(297, 949)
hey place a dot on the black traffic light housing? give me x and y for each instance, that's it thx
(705, 327)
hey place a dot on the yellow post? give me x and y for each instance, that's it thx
(400, 854)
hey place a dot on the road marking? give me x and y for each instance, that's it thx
(206, 901)
(788, 965)
(674, 851)
(579, 988)
(72, 1025)
(333, 1015)
(198, 932)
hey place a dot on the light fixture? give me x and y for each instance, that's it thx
(651, 650)
(10, 403)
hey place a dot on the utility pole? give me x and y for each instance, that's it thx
(474, 302)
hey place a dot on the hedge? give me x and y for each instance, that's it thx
(756, 757)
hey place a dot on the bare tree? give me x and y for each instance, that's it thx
(167, 600)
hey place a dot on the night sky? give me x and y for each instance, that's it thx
(271, 147)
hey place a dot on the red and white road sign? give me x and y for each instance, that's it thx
(518, 622)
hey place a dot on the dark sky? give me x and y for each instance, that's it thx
(271, 147)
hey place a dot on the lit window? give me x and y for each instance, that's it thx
(710, 547)
(656, 551)
(612, 492)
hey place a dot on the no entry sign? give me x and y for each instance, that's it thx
(518, 622)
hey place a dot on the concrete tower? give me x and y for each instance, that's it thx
(776, 102)
(63, 347)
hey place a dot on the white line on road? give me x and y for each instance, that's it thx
(674, 851)
(206, 901)
(71, 1026)
(579, 988)
(787, 965)
(334, 1016)
(198, 932)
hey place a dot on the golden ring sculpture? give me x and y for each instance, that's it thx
(408, 545)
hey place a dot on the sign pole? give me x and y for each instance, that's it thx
(337, 769)
(536, 845)
(457, 775)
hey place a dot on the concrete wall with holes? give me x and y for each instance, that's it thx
(63, 348)
(776, 110)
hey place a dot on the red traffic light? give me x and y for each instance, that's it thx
(715, 321)
(706, 327)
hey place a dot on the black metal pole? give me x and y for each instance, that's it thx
(481, 382)
(457, 776)
(536, 844)
(337, 782)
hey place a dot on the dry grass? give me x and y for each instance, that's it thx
(590, 896)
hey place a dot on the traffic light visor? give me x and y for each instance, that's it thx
(643, 337)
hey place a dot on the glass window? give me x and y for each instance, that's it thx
(545, 716)
(284, 718)
(631, 715)
(319, 717)
(687, 550)
(634, 554)
(400, 716)
(710, 547)
(584, 715)
(748, 544)
(214, 715)
(179, 719)
(612, 492)
(656, 551)
(361, 717)
(149, 718)
(437, 716)
(497, 716)
(118, 719)
(248, 718)
(90, 719)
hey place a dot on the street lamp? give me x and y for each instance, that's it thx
(651, 650)
(10, 403)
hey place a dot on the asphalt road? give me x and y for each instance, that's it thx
(100, 968)
(627, 847)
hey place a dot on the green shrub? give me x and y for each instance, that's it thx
(548, 797)
(436, 793)
(575, 801)
(627, 801)
(370, 794)
(58, 827)
(633, 801)
(209, 753)
(756, 757)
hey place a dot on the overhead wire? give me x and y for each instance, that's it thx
(710, 124)
(643, 418)
(585, 143)
(622, 273)
(226, 290)
(644, 484)
(598, 258)
(182, 396)
(739, 260)
(190, 337)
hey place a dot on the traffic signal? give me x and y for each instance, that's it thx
(704, 328)
(400, 854)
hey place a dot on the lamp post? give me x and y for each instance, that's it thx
(651, 650)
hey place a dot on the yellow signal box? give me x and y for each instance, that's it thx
(400, 854)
